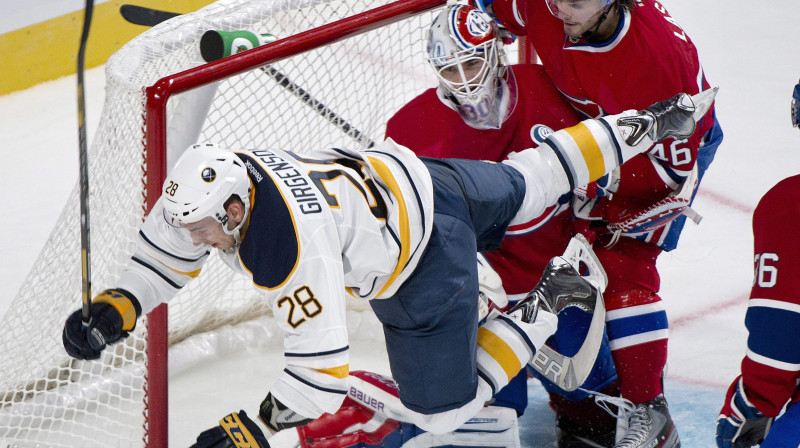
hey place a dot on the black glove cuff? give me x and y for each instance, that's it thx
(277, 416)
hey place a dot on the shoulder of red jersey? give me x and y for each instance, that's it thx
(783, 197)
(421, 112)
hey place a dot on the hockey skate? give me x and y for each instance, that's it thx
(562, 285)
(566, 439)
(676, 117)
(650, 425)
(571, 435)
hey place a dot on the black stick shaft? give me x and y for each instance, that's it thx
(319, 107)
(84, 170)
(140, 15)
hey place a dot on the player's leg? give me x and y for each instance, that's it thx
(579, 420)
(638, 335)
(431, 324)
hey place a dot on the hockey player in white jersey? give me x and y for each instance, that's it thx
(382, 225)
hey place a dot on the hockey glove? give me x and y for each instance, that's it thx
(113, 315)
(277, 416)
(740, 424)
(235, 430)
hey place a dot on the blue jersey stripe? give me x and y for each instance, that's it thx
(768, 325)
(629, 326)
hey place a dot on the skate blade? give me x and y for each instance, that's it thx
(702, 102)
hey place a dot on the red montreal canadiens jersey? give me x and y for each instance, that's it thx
(649, 59)
(771, 368)
(431, 129)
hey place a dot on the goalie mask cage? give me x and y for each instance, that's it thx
(355, 62)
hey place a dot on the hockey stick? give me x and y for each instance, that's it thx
(84, 171)
(141, 15)
(214, 49)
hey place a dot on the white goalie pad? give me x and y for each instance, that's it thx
(581, 256)
(569, 372)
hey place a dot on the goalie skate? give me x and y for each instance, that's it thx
(562, 286)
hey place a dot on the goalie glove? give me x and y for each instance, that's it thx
(277, 416)
(739, 423)
(113, 316)
(660, 213)
(796, 106)
(637, 221)
(235, 430)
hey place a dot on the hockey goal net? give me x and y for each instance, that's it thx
(346, 66)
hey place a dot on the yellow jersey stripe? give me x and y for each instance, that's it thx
(122, 304)
(336, 372)
(592, 154)
(498, 349)
(405, 238)
(191, 274)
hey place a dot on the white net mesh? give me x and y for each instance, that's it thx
(48, 399)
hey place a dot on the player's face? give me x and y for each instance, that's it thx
(471, 68)
(208, 232)
(579, 16)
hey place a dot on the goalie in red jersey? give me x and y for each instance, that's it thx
(606, 56)
(486, 109)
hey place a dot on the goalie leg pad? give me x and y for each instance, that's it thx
(356, 426)
(380, 394)
(573, 325)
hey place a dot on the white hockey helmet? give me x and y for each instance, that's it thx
(467, 55)
(200, 183)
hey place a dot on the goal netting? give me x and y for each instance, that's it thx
(48, 399)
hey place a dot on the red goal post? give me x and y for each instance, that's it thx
(156, 151)
(362, 59)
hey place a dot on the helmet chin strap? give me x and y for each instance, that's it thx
(589, 35)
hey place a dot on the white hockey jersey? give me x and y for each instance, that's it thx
(318, 223)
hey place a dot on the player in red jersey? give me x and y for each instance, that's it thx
(606, 56)
(771, 368)
(485, 110)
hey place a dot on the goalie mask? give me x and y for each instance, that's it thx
(200, 183)
(468, 58)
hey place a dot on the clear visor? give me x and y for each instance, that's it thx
(576, 10)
